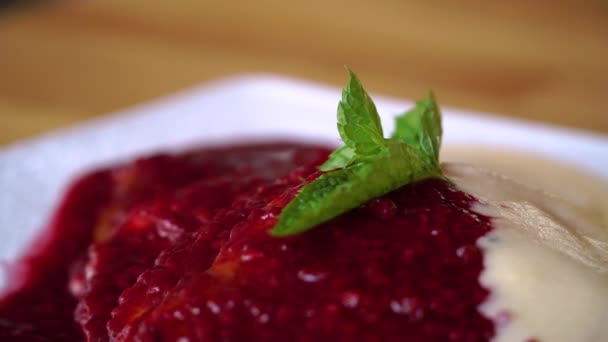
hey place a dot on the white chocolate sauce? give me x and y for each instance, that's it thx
(546, 261)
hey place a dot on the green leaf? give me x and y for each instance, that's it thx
(339, 191)
(421, 129)
(339, 158)
(358, 120)
(368, 165)
(344, 157)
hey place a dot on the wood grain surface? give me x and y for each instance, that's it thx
(65, 62)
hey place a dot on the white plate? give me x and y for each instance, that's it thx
(34, 173)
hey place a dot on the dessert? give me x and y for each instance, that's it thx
(281, 241)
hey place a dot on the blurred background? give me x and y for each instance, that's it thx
(63, 62)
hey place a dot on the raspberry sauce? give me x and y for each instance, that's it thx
(177, 246)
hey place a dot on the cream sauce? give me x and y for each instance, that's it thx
(546, 262)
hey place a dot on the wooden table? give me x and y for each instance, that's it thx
(69, 61)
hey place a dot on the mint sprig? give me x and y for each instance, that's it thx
(368, 165)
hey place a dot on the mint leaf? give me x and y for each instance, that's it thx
(340, 158)
(421, 128)
(368, 165)
(358, 120)
(339, 191)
